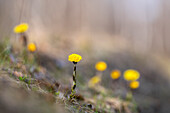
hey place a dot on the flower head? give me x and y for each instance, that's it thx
(131, 75)
(21, 28)
(101, 66)
(115, 74)
(134, 84)
(31, 47)
(94, 80)
(74, 58)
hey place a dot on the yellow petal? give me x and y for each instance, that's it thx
(134, 84)
(101, 66)
(115, 74)
(131, 75)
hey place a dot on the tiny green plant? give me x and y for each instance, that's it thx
(75, 58)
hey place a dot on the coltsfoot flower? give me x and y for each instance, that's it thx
(21, 28)
(74, 58)
(131, 75)
(101, 66)
(115, 74)
(134, 84)
(94, 80)
(32, 47)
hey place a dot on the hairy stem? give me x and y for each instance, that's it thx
(74, 82)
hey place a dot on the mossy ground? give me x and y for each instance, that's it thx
(29, 78)
(37, 82)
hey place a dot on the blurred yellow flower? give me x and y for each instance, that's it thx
(101, 66)
(21, 28)
(134, 84)
(74, 58)
(94, 80)
(131, 75)
(115, 74)
(31, 47)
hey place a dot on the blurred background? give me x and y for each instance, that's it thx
(141, 25)
(124, 33)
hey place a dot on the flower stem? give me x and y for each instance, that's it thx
(24, 39)
(74, 82)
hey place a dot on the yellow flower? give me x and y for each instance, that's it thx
(74, 58)
(115, 74)
(131, 75)
(32, 47)
(21, 28)
(134, 84)
(101, 66)
(94, 80)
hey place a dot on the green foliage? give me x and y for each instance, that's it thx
(129, 96)
(5, 51)
(57, 93)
